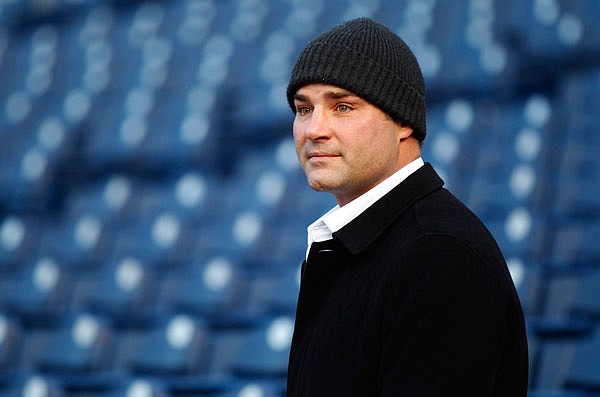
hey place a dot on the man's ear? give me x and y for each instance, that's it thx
(404, 131)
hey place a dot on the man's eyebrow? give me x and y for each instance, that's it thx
(329, 95)
(300, 98)
(340, 94)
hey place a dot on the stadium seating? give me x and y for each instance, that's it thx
(153, 214)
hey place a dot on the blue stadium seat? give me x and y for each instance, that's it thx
(253, 388)
(114, 199)
(554, 317)
(273, 294)
(553, 364)
(133, 386)
(233, 232)
(193, 196)
(282, 247)
(83, 345)
(26, 177)
(561, 292)
(162, 240)
(225, 345)
(213, 289)
(19, 239)
(125, 291)
(34, 385)
(40, 293)
(80, 239)
(584, 373)
(191, 137)
(529, 279)
(519, 232)
(579, 91)
(577, 178)
(11, 339)
(120, 138)
(557, 393)
(265, 350)
(587, 300)
(574, 243)
(176, 346)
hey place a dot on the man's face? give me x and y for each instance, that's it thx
(345, 145)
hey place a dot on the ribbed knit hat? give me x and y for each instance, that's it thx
(368, 59)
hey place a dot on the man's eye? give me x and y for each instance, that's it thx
(343, 108)
(303, 110)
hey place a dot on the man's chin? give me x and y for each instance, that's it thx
(320, 184)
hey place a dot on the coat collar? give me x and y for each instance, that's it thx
(364, 229)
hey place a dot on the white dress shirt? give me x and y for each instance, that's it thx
(323, 228)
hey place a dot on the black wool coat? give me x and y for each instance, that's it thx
(412, 298)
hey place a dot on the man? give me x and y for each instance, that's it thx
(404, 291)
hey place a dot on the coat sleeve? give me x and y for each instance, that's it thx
(444, 324)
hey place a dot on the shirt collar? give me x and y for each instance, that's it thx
(336, 218)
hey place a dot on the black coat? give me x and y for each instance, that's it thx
(412, 298)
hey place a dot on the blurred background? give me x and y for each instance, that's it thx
(153, 215)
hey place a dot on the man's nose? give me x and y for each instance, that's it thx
(319, 126)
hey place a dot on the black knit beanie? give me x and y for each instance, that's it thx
(368, 59)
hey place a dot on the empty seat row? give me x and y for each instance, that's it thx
(87, 348)
(130, 293)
